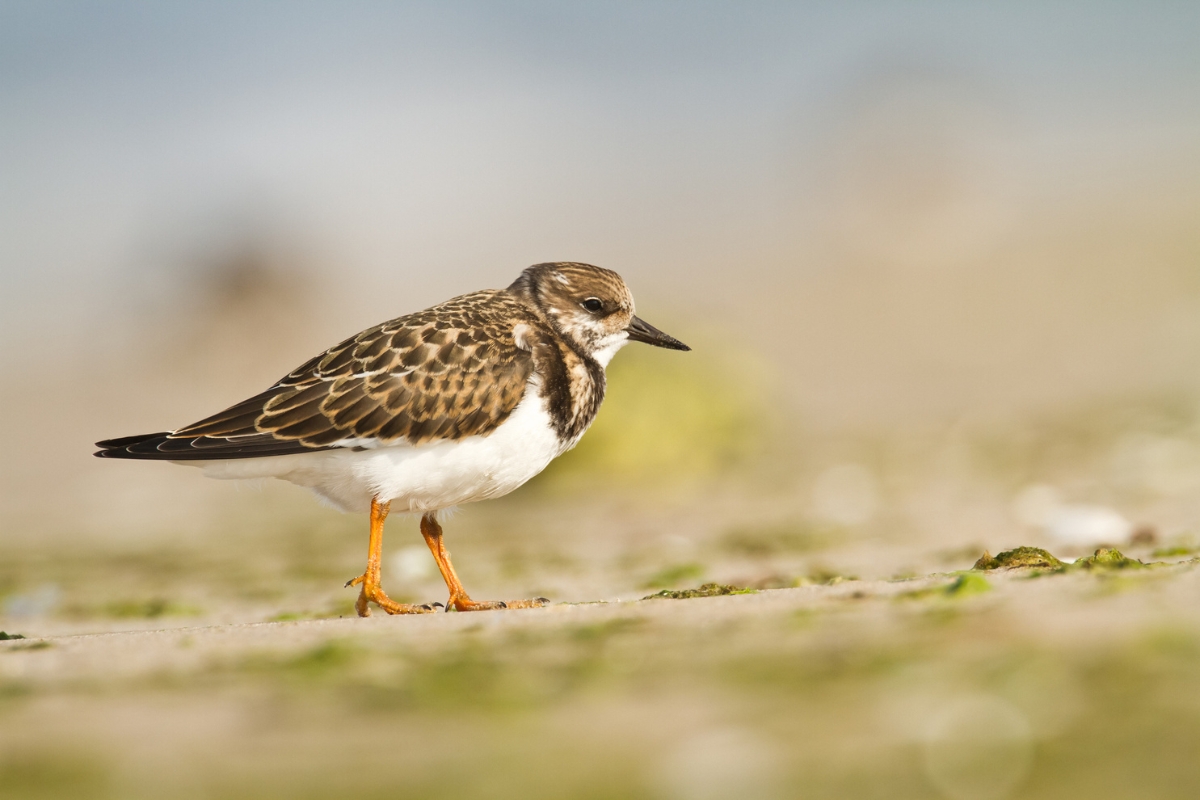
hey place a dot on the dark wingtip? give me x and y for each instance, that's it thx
(166, 446)
(123, 446)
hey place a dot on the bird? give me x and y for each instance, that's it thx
(462, 402)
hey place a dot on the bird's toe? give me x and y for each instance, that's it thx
(536, 602)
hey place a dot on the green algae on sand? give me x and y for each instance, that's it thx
(1017, 558)
(707, 590)
(965, 585)
(1106, 558)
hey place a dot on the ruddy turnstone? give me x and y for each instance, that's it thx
(461, 402)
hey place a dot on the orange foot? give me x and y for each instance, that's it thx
(463, 603)
(372, 592)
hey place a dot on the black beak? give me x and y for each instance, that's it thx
(641, 331)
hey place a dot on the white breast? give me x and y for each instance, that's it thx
(418, 478)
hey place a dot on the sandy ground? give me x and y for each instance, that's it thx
(1080, 684)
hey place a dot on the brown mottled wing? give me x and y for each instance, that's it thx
(452, 371)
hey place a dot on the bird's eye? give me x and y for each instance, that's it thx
(593, 305)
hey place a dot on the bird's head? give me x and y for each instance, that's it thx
(591, 306)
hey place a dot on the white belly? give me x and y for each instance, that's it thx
(427, 477)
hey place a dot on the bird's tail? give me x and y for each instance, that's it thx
(146, 445)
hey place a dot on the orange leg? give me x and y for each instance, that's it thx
(371, 590)
(459, 600)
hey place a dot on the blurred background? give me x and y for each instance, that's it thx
(939, 264)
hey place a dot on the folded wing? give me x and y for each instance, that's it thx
(450, 372)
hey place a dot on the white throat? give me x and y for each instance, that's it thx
(608, 346)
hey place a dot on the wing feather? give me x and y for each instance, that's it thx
(449, 372)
